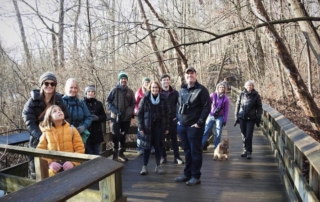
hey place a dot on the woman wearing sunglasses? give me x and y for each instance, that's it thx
(36, 107)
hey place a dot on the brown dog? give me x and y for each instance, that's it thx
(222, 150)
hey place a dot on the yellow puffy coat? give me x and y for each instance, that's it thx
(61, 138)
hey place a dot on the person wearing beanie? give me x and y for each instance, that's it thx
(120, 102)
(138, 96)
(218, 115)
(98, 116)
(35, 108)
(80, 116)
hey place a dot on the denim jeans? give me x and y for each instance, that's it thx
(191, 138)
(216, 122)
(92, 148)
(174, 140)
(246, 127)
(156, 142)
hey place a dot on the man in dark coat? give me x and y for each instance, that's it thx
(193, 109)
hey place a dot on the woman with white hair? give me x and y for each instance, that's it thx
(80, 116)
(248, 112)
(218, 115)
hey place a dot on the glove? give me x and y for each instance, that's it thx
(236, 122)
(81, 129)
(258, 122)
(55, 166)
(67, 165)
(224, 124)
(94, 117)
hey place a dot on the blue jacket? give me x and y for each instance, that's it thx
(78, 111)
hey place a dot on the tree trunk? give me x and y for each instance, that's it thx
(54, 50)
(61, 29)
(23, 35)
(309, 70)
(75, 33)
(161, 67)
(306, 102)
(307, 27)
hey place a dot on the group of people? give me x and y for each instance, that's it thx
(68, 123)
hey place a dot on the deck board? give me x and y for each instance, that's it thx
(236, 180)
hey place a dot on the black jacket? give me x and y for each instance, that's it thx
(172, 101)
(248, 105)
(146, 118)
(95, 107)
(197, 105)
(32, 110)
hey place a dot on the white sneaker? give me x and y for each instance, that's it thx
(140, 152)
(159, 170)
(144, 170)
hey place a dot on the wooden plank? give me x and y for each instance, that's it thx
(68, 183)
(19, 170)
(14, 139)
(86, 195)
(41, 167)
(107, 189)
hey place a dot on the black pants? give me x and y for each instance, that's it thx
(246, 127)
(120, 129)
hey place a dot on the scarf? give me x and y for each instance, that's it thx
(155, 101)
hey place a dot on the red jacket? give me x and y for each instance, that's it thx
(138, 96)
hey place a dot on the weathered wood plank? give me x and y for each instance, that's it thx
(11, 183)
(13, 139)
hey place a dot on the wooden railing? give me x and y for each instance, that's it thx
(96, 179)
(292, 148)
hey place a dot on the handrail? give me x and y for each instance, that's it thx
(291, 147)
(71, 183)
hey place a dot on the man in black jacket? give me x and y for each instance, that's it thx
(172, 100)
(193, 108)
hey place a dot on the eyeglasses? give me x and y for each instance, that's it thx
(53, 84)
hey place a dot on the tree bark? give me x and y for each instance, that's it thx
(54, 50)
(161, 67)
(23, 35)
(60, 34)
(306, 102)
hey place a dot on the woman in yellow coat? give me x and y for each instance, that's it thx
(58, 135)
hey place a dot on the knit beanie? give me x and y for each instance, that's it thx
(122, 74)
(47, 76)
(92, 88)
(145, 79)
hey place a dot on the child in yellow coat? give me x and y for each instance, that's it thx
(57, 135)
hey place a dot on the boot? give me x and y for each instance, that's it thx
(115, 155)
(121, 156)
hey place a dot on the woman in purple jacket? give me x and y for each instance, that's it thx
(218, 115)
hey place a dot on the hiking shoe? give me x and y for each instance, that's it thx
(159, 170)
(248, 155)
(182, 178)
(163, 161)
(153, 151)
(178, 161)
(244, 154)
(144, 170)
(122, 157)
(140, 152)
(193, 181)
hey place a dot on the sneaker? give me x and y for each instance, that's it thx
(182, 178)
(153, 151)
(163, 161)
(193, 181)
(144, 170)
(248, 155)
(159, 170)
(244, 154)
(140, 152)
(122, 157)
(178, 161)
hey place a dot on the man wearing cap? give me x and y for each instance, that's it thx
(193, 109)
(36, 107)
(120, 102)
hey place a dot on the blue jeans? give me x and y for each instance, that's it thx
(216, 122)
(191, 138)
(246, 127)
(92, 148)
(156, 142)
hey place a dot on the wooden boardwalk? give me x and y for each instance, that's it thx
(235, 180)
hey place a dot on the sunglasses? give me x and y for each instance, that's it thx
(53, 84)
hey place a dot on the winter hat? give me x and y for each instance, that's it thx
(145, 79)
(47, 76)
(92, 88)
(122, 74)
